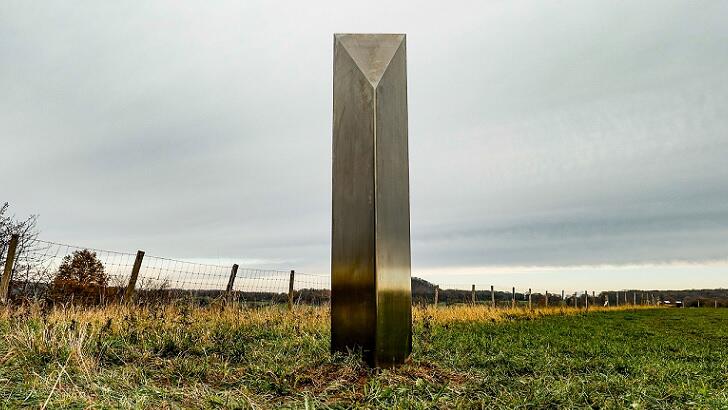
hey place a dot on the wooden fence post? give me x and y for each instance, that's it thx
(530, 305)
(576, 301)
(563, 298)
(492, 297)
(546, 301)
(616, 303)
(513, 299)
(586, 300)
(8, 271)
(290, 291)
(472, 295)
(437, 295)
(134, 275)
(231, 281)
(634, 298)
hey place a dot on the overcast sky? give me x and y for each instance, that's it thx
(552, 144)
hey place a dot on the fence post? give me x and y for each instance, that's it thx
(437, 295)
(290, 291)
(529, 299)
(563, 298)
(231, 281)
(472, 295)
(8, 271)
(513, 299)
(616, 303)
(576, 301)
(586, 300)
(634, 298)
(546, 301)
(134, 275)
(492, 297)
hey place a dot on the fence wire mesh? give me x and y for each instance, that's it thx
(45, 269)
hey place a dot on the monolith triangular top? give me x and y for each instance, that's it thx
(371, 52)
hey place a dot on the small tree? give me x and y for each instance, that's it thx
(81, 276)
(27, 272)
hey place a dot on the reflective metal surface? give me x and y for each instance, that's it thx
(371, 301)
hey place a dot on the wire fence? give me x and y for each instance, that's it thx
(45, 269)
(61, 272)
(503, 296)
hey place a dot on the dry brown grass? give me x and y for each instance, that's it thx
(483, 313)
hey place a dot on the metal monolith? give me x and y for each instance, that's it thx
(371, 297)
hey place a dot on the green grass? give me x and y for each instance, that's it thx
(265, 358)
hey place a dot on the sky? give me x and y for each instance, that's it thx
(553, 144)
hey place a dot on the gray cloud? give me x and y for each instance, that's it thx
(541, 133)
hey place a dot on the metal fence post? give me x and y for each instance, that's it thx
(290, 291)
(492, 296)
(231, 281)
(437, 295)
(8, 271)
(134, 275)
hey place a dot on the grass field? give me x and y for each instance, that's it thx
(464, 357)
